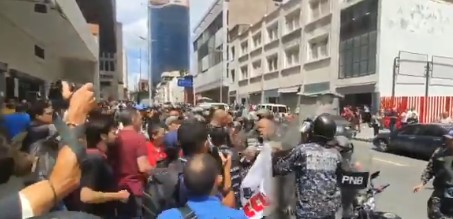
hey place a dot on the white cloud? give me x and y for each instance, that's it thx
(129, 11)
(132, 33)
(133, 15)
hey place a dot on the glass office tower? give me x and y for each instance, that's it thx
(169, 37)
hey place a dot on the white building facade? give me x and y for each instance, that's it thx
(41, 43)
(210, 54)
(168, 90)
(351, 49)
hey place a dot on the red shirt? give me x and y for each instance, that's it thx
(155, 154)
(130, 146)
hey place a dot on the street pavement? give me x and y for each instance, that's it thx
(402, 173)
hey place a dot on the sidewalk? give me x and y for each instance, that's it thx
(366, 134)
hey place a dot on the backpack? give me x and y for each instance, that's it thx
(163, 189)
(45, 152)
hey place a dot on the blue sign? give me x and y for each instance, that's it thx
(185, 82)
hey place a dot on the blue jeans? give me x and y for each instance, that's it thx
(59, 207)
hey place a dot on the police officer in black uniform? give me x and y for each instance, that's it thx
(440, 204)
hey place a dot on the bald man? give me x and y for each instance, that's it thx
(284, 188)
(219, 118)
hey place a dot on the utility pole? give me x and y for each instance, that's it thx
(224, 47)
(149, 43)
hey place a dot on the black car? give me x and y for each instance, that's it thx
(417, 139)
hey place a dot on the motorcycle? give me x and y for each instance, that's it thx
(364, 204)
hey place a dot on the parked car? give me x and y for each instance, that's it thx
(418, 139)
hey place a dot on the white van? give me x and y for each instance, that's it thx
(223, 106)
(280, 109)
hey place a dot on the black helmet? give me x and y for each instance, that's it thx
(324, 127)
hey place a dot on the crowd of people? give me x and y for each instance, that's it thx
(119, 148)
(123, 160)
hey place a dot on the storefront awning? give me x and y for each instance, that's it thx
(321, 94)
(287, 90)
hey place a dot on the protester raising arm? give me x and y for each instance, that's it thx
(228, 194)
(39, 198)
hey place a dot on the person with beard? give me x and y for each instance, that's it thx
(97, 191)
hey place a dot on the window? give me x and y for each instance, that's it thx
(257, 70)
(218, 56)
(292, 21)
(105, 83)
(323, 48)
(244, 72)
(104, 76)
(233, 75)
(319, 8)
(432, 130)
(272, 63)
(314, 9)
(233, 52)
(318, 49)
(257, 40)
(358, 56)
(111, 66)
(409, 130)
(272, 32)
(358, 19)
(244, 48)
(281, 109)
(313, 51)
(39, 52)
(291, 57)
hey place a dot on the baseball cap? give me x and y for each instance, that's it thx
(449, 135)
(140, 107)
(171, 140)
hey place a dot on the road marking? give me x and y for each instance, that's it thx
(390, 162)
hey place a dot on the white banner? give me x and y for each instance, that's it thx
(257, 186)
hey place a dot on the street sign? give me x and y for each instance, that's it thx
(184, 82)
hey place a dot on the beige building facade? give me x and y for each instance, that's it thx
(210, 55)
(290, 51)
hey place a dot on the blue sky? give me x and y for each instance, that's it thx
(133, 15)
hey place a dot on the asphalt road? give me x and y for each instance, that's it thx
(402, 173)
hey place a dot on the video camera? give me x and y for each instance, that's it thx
(55, 95)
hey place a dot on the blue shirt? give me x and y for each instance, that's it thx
(16, 123)
(205, 208)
